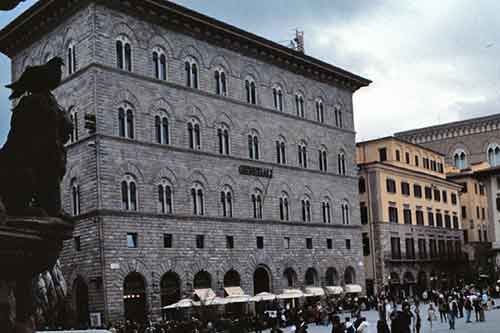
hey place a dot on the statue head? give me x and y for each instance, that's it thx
(56, 62)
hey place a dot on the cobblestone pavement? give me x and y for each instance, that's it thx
(491, 325)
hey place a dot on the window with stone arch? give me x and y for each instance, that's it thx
(326, 210)
(493, 154)
(346, 215)
(300, 105)
(126, 121)
(71, 57)
(159, 64)
(302, 154)
(223, 139)
(226, 200)
(323, 159)
(338, 117)
(73, 116)
(460, 159)
(306, 208)
(194, 134)
(165, 199)
(220, 79)
(250, 90)
(129, 193)
(320, 111)
(123, 53)
(191, 72)
(257, 201)
(284, 207)
(162, 129)
(253, 145)
(197, 199)
(341, 164)
(75, 197)
(278, 98)
(281, 150)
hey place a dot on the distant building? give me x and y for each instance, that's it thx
(410, 212)
(219, 158)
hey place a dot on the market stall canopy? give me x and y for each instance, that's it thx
(315, 291)
(353, 288)
(264, 296)
(236, 295)
(290, 293)
(204, 294)
(183, 303)
(334, 290)
(234, 291)
(215, 301)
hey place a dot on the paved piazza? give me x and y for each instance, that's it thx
(492, 323)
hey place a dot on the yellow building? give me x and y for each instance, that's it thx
(410, 212)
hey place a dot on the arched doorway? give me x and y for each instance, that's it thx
(349, 275)
(134, 297)
(261, 280)
(170, 288)
(202, 280)
(81, 302)
(290, 278)
(232, 279)
(311, 277)
(331, 277)
(408, 284)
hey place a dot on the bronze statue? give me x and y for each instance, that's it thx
(9, 4)
(33, 160)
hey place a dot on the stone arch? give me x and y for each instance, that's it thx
(349, 275)
(283, 187)
(252, 71)
(49, 50)
(194, 111)
(258, 259)
(222, 117)
(132, 266)
(300, 87)
(280, 80)
(220, 60)
(162, 104)
(331, 276)
(227, 180)
(290, 277)
(170, 265)
(253, 125)
(124, 29)
(311, 277)
(164, 173)
(170, 283)
(232, 278)
(264, 275)
(132, 169)
(161, 42)
(197, 176)
(192, 51)
(126, 96)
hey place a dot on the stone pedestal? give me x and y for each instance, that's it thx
(28, 247)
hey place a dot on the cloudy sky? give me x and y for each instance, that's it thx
(430, 61)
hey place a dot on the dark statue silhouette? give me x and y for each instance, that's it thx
(33, 224)
(9, 4)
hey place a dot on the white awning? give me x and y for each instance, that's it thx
(204, 294)
(353, 288)
(183, 303)
(234, 291)
(263, 297)
(237, 299)
(334, 290)
(291, 293)
(315, 291)
(215, 301)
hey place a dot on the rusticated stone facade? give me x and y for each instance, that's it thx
(114, 241)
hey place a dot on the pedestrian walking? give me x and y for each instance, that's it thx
(468, 309)
(452, 313)
(418, 320)
(431, 315)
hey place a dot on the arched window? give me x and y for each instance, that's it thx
(75, 197)
(191, 73)
(165, 197)
(71, 58)
(280, 151)
(326, 211)
(311, 277)
(322, 159)
(159, 64)
(306, 209)
(73, 115)
(284, 207)
(123, 53)
(197, 199)
(250, 90)
(341, 163)
(302, 154)
(494, 155)
(226, 199)
(320, 111)
(162, 129)
(278, 98)
(223, 138)
(257, 204)
(331, 277)
(345, 213)
(299, 105)
(460, 159)
(253, 145)
(126, 121)
(129, 193)
(220, 82)
(290, 277)
(350, 275)
(338, 117)
(362, 185)
(194, 134)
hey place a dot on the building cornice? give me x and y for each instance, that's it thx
(47, 14)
